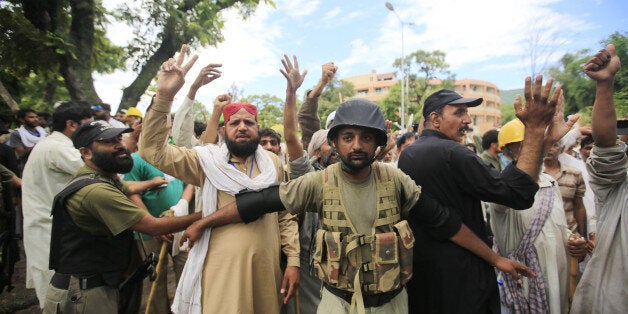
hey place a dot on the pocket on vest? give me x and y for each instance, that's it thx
(406, 243)
(327, 256)
(386, 261)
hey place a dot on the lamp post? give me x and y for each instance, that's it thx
(402, 110)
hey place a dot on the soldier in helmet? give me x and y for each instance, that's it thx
(363, 249)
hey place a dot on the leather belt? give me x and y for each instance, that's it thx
(370, 300)
(62, 281)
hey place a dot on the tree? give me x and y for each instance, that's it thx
(580, 90)
(270, 112)
(427, 72)
(68, 39)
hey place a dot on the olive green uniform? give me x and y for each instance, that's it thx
(101, 209)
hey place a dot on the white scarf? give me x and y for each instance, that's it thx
(220, 176)
(28, 139)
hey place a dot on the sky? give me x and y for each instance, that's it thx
(488, 40)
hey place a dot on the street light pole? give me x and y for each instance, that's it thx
(402, 110)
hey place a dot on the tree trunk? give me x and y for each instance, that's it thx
(131, 94)
(77, 68)
(169, 46)
(6, 96)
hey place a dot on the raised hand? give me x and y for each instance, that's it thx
(603, 65)
(207, 75)
(559, 127)
(172, 75)
(539, 109)
(221, 101)
(329, 71)
(291, 73)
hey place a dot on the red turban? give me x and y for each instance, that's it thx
(232, 108)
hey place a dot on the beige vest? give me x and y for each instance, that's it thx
(345, 259)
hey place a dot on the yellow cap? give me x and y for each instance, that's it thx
(511, 132)
(132, 111)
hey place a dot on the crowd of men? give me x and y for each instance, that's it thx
(349, 218)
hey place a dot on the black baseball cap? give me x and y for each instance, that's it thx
(95, 131)
(447, 97)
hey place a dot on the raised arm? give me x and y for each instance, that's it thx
(294, 80)
(309, 121)
(536, 115)
(210, 136)
(602, 68)
(177, 161)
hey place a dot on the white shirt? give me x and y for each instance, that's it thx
(51, 165)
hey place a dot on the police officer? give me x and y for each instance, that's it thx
(364, 247)
(92, 226)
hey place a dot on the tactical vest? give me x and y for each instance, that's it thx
(77, 252)
(344, 259)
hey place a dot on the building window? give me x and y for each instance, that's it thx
(464, 88)
(378, 90)
(363, 92)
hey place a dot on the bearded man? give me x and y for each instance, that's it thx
(93, 223)
(233, 269)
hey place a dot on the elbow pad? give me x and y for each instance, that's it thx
(253, 204)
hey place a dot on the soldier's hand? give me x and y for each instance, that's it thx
(192, 234)
(513, 268)
(290, 283)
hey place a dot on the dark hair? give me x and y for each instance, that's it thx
(489, 138)
(199, 128)
(439, 111)
(21, 114)
(403, 138)
(271, 133)
(44, 114)
(586, 140)
(69, 111)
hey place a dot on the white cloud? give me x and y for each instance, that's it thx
(330, 15)
(298, 8)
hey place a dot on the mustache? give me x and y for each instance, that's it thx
(464, 128)
(357, 154)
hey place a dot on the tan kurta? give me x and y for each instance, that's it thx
(241, 271)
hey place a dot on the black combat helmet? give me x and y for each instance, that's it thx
(362, 113)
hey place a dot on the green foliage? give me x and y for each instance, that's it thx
(508, 112)
(195, 22)
(578, 89)
(270, 108)
(427, 72)
(334, 94)
(620, 97)
(200, 112)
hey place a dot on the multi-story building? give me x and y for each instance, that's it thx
(372, 86)
(486, 116)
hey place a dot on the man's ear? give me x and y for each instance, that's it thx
(434, 119)
(86, 153)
